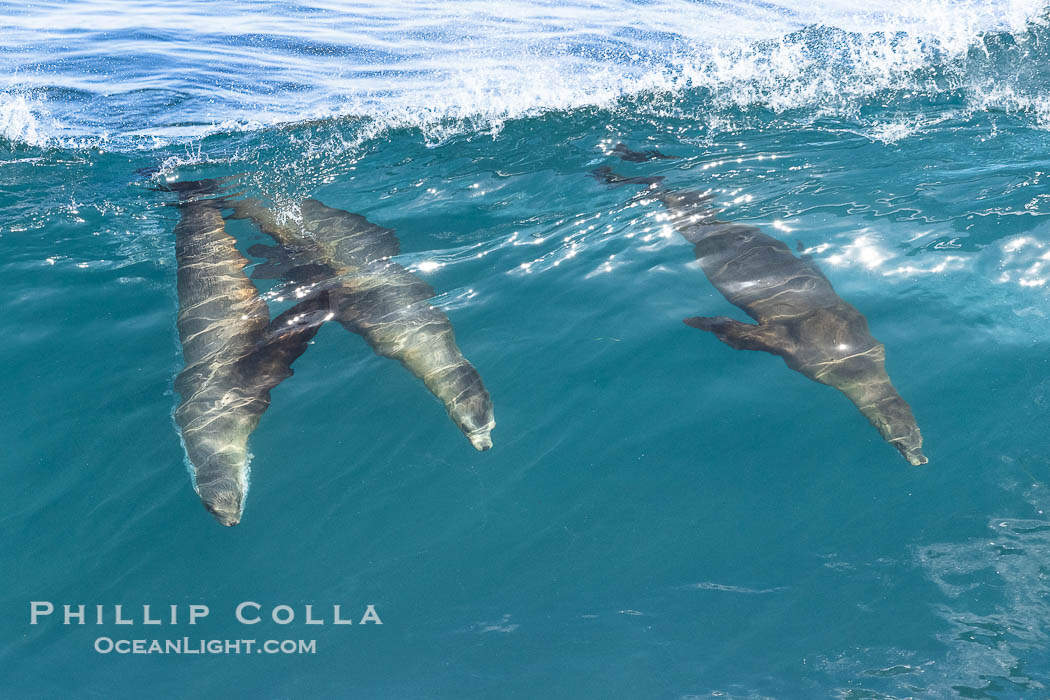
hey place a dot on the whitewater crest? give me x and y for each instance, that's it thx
(522, 59)
(23, 122)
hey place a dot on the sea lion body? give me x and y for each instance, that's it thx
(798, 314)
(377, 298)
(799, 317)
(233, 355)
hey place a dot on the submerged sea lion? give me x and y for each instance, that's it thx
(799, 316)
(627, 154)
(234, 354)
(373, 296)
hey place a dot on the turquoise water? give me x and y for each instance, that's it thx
(660, 516)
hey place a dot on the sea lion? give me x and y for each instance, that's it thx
(627, 154)
(799, 316)
(373, 296)
(234, 355)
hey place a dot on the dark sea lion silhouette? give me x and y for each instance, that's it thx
(798, 314)
(627, 154)
(234, 354)
(372, 295)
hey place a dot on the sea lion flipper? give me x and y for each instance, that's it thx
(269, 252)
(284, 340)
(276, 264)
(736, 334)
(279, 264)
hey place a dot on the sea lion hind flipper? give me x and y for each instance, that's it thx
(736, 334)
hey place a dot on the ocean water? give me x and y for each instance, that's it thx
(660, 516)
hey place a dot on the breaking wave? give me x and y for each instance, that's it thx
(168, 74)
(22, 122)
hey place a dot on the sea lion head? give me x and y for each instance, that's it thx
(225, 505)
(879, 401)
(223, 493)
(466, 400)
(894, 419)
(841, 352)
(473, 415)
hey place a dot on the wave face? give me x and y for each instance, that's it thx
(660, 516)
(92, 73)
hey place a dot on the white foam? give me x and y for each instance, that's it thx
(22, 121)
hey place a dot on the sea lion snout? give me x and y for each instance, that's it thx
(229, 519)
(912, 451)
(481, 440)
(478, 429)
(226, 515)
(916, 459)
